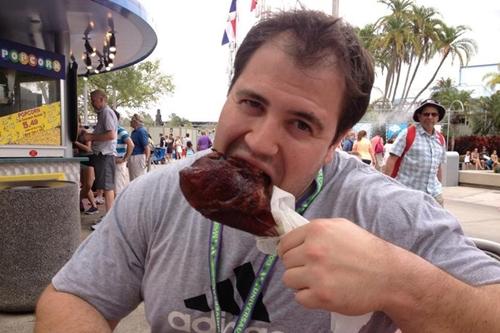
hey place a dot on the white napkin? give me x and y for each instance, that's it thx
(287, 219)
(285, 216)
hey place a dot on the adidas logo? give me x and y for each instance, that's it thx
(245, 276)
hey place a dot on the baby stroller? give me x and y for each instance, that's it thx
(158, 155)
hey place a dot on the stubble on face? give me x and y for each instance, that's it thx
(284, 91)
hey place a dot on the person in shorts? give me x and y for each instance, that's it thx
(103, 146)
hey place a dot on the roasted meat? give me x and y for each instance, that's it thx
(230, 191)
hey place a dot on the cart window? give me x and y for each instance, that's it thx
(30, 109)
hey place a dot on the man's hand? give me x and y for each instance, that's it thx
(120, 160)
(335, 265)
(389, 164)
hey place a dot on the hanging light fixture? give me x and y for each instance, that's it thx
(88, 48)
(99, 68)
(112, 42)
(111, 34)
(88, 61)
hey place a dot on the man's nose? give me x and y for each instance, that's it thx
(264, 137)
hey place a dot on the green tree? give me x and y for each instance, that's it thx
(492, 79)
(177, 121)
(394, 37)
(136, 86)
(452, 42)
(447, 94)
(426, 27)
(408, 38)
(487, 121)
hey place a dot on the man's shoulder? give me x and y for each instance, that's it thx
(142, 130)
(122, 131)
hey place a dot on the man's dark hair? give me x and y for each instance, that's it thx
(316, 40)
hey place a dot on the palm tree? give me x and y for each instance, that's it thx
(426, 28)
(493, 79)
(451, 42)
(488, 121)
(395, 34)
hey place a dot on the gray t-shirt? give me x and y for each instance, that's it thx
(157, 251)
(106, 121)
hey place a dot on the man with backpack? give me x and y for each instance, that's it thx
(418, 152)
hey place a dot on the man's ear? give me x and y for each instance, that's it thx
(331, 150)
(329, 154)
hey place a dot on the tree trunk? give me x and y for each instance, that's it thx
(433, 76)
(398, 75)
(403, 99)
(388, 81)
(413, 77)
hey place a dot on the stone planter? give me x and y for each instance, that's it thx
(40, 230)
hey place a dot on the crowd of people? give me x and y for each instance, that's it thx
(170, 148)
(373, 151)
(117, 157)
(481, 161)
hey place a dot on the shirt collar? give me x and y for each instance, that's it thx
(421, 130)
(309, 192)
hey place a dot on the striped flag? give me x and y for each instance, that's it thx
(253, 5)
(230, 32)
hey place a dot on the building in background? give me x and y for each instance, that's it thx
(44, 46)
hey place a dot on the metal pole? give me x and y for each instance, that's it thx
(448, 130)
(449, 122)
(335, 8)
(85, 103)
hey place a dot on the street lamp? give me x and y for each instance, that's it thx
(449, 117)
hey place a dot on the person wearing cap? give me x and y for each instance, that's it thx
(140, 155)
(421, 165)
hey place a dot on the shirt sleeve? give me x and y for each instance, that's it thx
(108, 267)
(110, 122)
(399, 145)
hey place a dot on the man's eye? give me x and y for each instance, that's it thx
(251, 103)
(303, 126)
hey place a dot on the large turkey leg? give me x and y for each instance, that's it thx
(230, 191)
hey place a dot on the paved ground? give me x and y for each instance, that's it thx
(477, 209)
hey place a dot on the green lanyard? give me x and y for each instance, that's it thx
(262, 275)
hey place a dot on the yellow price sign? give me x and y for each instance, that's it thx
(37, 126)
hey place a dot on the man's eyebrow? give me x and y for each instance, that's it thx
(306, 115)
(252, 95)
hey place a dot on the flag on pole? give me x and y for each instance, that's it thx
(253, 5)
(230, 31)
